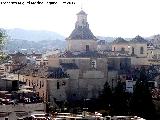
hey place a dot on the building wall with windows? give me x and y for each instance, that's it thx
(82, 45)
(88, 79)
(123, 47)
(50, 89)
(153, 53)
(38, 83)
(138, 49)
(57, 89)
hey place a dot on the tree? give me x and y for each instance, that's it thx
(3, 38)
(106, 97)
(152, 72)
(120, 100)
(141, 101)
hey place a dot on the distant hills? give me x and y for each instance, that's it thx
(33, 35)
(32, 40)
(110, 39)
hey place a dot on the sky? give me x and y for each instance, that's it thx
(114, 18)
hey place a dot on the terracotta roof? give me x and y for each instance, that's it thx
(42, 71)
(56, 73)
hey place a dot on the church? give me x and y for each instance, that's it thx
(86, 68)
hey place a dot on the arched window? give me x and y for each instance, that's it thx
(87, 47)
(40, 85)
(132, 50)
(141, 50)
(29, 83)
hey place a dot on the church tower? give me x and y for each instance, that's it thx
(81, 38)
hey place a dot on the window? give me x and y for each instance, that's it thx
(58, 85)
(32, 82)
(37, 83)
(43, 95)
(141, 50)
(40, 85)
(114, 49)
(29, 83)
(87, 47)
(132, 50)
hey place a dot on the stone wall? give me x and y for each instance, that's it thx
(118, 47)
(89, 85)
(112, 78)
(139, 61)
(137, 47)
(56, 89)
(87, 81)
(80, 45)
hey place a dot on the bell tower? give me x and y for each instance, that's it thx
(81, 38)
(81, 20)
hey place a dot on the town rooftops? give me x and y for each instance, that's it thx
(17, 54)
(120, 40)
(138, 39)
(82, 33)
(81, 54)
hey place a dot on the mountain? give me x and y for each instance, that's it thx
(107, 39)
(110, 39)
(33, 35)
(32, 40)
(29, 46)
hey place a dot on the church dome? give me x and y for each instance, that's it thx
(82, 33)
(138, 39)
(120, 40)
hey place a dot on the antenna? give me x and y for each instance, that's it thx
(81, 5)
